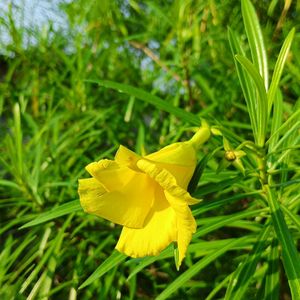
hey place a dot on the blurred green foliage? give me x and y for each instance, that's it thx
(53, 122)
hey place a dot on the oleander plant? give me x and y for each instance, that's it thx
(150, 150)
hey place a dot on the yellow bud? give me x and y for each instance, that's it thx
(230, 155)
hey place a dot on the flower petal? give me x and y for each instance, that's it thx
(126, 157)
(110, 174)
(158, 232)
(178, 199)
(166, 180)
(89, 191)
(179, 159)
(186, 224)
(181, 174)
(181, 153)
(128, 207)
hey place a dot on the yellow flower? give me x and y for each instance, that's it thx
(146, 195)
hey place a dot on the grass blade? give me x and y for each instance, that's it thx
(146, 261)
(56, 243)
(213, 187)
(196, 268)
(202, 248)
(228, 220)
(207, 206)
(56, 212)
(112, 261)
(151, 99)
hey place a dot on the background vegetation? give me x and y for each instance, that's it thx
(54, 120)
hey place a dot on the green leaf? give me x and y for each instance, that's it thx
(220, 286)
(279, 67)
(151, 99)
(198, 173)
(287, 135)
(50, 271)
(146, 261)
(18, 138)
(209, 205)
(200, 169)
(56, 244)
(112, 261)
(196, 268)
(284, 126)
(272, 278)
(202, 248)
(13, 257)
(227, 220)
(245, 81)
(255, 39)
(290, 255)
(240, 280)
(276, 121)
(56, 212)
(262, 103)
(10, 184)
(292, 216)
(213, 187)
(4, 257)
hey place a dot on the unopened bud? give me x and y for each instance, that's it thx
(230, 155)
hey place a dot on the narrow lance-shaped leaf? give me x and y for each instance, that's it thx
(284, 126)
(276, 120)
(209, 205)
(290, 255)
(199, 170)
(56, 243)
(288, 135)
(56, 212)
(294, 217)
(262, 103)
(196, 268)
(201, 248)
(255, 39)
(272, 278)
(18, 138)
(243, 275)
(221, 222)
(245, 81)
(149, 98)
(220, 286)
(279, 67)
(112, 261)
